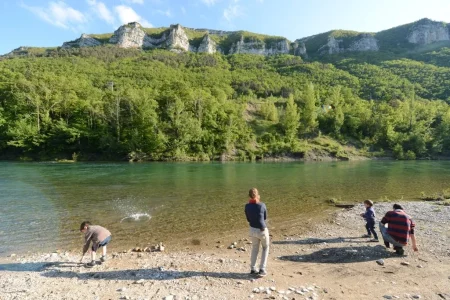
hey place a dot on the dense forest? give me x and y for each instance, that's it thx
(107, 103)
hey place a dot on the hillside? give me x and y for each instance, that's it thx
(114, 102)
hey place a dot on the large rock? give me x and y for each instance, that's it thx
(300, 49)
(365, 42)
(177, 38)
(333, 46)
(255, 46)
(427, 32)
(207, 45)
(130, 35)
(83, 41)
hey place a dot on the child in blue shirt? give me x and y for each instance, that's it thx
(369, 216)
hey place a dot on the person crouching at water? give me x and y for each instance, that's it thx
(400, 228)
(256, 213)
(99, 236)
(369, 216)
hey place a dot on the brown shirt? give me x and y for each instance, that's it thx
(95, 234)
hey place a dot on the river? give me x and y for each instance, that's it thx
(42, 204)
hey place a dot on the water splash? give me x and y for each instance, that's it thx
(137, 217)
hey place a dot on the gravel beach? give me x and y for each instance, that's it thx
(330, 261)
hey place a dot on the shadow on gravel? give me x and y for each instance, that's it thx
(341, 255)
(35, 267)
(146, 274)
(311, 241)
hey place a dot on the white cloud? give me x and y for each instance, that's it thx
(102, 11)
(233, 12)
(126, 15)
(209, 2)
(166, 13)
(58, 14)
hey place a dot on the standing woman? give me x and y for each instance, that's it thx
(256, 213)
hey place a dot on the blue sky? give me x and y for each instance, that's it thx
(52, 22)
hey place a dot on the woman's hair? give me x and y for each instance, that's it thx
(368, 202)
(253, 193)
(398, 206)
(85, 223)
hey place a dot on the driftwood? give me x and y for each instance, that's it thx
(344, 205)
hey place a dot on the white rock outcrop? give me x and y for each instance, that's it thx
(365, 42)
(333, 46)
(258, 47)
(130, 35)
(208, 45)
(177, 38)
(300, 49)
(427, 32)
(83, 41)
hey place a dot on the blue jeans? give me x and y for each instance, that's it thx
(388, 238)
(101, 244)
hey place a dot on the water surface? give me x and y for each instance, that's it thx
(42, 204)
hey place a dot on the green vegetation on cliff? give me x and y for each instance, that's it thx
(111, 103)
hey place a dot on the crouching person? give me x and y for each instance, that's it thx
(399, 230)
(98, 236)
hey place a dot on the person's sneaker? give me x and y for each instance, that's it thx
(262, 273)
(103, 258)
(253, 272)
(374, 240)
(90, 265)
(366, 236)
(399, 250)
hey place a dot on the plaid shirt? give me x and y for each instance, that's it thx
(400, 225)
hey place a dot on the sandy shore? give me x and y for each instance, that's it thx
(330, 261)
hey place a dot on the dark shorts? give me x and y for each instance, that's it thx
(101, 244)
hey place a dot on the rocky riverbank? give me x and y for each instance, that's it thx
(331, 261)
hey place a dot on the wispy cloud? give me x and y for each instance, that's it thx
(58, 14)
(233, 11)
(210, 2)
(166, 13)
(102, 11)
(126, 15)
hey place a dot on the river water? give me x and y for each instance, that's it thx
(43, 204)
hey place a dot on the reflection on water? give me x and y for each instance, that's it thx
(42, 204)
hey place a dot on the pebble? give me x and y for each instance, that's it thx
(420, 266)
(170, 297)
(380, 262)
(417, 297)
(256, 290)
(404, 263)
(140, 281)
(273, 289)
(122, 289)
(387, 297)
(125, 297)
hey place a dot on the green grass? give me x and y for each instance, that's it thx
(103, 38)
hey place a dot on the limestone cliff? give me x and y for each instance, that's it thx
(177, 38)
(208, 45)
(427, 32)
(83, 41)
(129, 36)
(255, 46)
(365, 42)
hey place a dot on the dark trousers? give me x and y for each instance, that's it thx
(370, 226)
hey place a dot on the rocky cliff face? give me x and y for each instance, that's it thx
(177, 38)
(129, 36)
(254, 46)
(207, 45)
(84, 41)
(365, 42)
(427, 32)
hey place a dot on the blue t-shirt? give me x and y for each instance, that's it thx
(256, 214)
